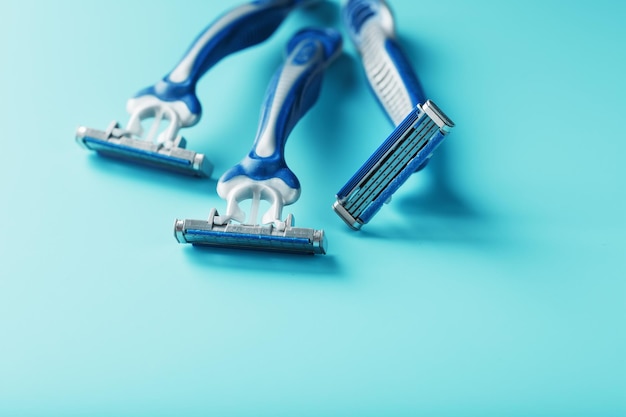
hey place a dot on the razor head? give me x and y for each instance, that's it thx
(119, 144)
(268, 237)
(407, 149)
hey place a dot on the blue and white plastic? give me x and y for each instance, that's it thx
(263, 175)
(420, 125)
(172, 102)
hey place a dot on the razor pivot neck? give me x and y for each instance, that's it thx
(173, 99)
(263, 174)
(370, 25)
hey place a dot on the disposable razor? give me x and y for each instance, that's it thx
(420, 126)
(171, 104)
(263, 175)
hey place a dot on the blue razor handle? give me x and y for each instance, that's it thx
(171, 104)
(263, 174)
(371, 27)
(174, 97)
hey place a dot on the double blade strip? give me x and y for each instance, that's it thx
(176, 159)
(257, 237)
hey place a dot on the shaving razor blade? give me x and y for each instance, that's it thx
(258, 237)
(117, 143)
(263, 175)
(171, 104)
(405, 151)
(420, 126)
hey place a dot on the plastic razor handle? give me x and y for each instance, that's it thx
(370, 25)
(263, 174)
(174, 97)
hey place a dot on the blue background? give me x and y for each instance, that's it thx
(492, 285)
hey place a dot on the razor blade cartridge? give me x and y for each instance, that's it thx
(120, 144)
(409, 146)
(257, 237)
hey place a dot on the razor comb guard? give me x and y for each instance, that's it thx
(263, 174)
(420, 126)
(173, 99)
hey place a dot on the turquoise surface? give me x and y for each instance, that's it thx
(492, 285)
